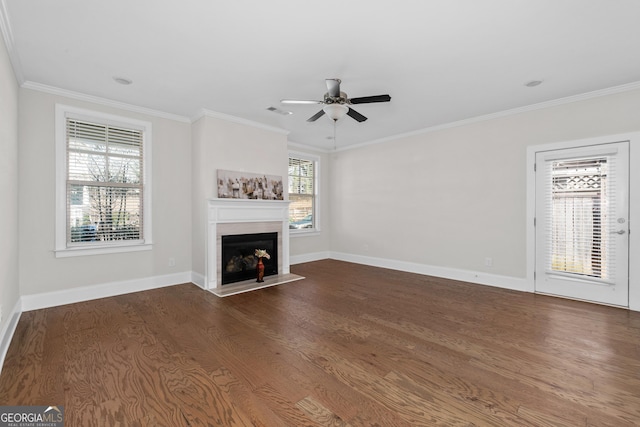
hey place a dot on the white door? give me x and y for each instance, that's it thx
(582, 223)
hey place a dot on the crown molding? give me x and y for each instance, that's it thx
(103, 101)
(505, 113)
(307, 147)
(7, 34)
(229, 118)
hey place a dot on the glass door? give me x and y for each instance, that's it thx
(582, 211)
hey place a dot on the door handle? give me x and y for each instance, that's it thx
(619, 232)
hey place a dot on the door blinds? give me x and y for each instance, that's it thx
(580, 198)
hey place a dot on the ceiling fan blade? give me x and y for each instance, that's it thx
(369, 99)
(300, 101)
(316, 116)
(355, 115)
(333, 87)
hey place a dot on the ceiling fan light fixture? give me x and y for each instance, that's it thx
(336, 111)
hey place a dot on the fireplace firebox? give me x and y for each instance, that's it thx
(238, 259)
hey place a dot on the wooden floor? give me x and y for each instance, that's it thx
(349, 345)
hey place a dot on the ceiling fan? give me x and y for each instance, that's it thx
(336, 103)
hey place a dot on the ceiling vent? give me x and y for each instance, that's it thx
(279, 111)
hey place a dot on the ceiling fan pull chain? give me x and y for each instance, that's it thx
(335, 144)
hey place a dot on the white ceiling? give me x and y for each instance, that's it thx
(440, 60)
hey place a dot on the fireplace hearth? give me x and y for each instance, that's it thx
(238, 260)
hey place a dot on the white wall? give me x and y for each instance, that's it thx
(40, 270)
(9, 278)
(453, 197)
(220, 143)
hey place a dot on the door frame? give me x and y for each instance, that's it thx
(634, 205)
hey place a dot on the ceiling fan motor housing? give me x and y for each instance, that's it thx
(342, 99)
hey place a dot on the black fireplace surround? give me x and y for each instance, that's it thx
(238, 259)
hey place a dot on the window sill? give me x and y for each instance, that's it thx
(101, 250)
(300, 233)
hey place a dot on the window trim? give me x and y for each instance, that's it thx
(63, 112)
(316, 229)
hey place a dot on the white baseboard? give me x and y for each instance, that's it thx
(315, 256)
(86, 293)
(482, 278)
(8, 330)
(198, 279)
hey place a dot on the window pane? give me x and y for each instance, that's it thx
(132, 150)
(105, 214)
(300, 185)
(87, 167)
(124, 170)
(300, 211)
(306, 169)
(76, 194)
(301, 167)
(87, 145)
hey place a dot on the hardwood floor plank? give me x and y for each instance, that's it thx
(320, 414)
(350, 345)
(257, 410)
(542, 419)
(34, 368)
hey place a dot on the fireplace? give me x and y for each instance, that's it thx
(237, 217)
(238, 259)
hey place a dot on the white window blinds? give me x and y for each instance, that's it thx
(580, 237)
(104, 183)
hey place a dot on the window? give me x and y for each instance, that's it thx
(103, 186)
(303, 209)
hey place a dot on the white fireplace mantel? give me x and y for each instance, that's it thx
(241, 216)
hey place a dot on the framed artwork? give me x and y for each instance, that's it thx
(243, 185)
